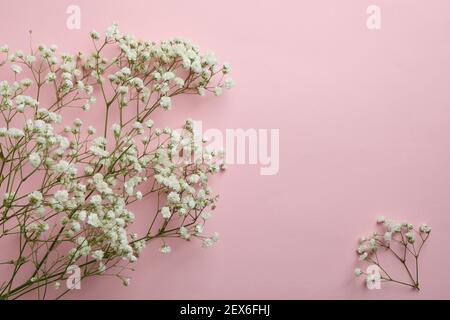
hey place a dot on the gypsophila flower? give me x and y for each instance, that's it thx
(16, 68)
(363, 256)
(388, 236)
(206, 215)
(35, 159)
(61, 196)
(98, 255)
(165, 249)
(15, 133)
(35, 197)
(425, 228)
(91, 130)
(207, 243)
(215, 237)
(228, 83)
(165, 103)
(167, 76)
(410, 237)
(218, 91)
(226, 68)
(165, 212)
(95, 35)
(184, 232)
(381, 219)
(93, 220)
(149, 123)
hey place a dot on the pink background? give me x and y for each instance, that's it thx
(364, 125)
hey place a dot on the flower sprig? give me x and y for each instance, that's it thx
(402, 241)
(84, 180)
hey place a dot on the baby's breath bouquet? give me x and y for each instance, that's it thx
(401, 241)
(67, 190)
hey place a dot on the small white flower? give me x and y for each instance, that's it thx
(15, 133)
(82, 215)
(410, 237)
(193, 178)
(363, 256)
(88, 170)
(198, 228)
(149, 123)
(35, 197)
(206, 215)
(76, 227)
(173, 197)
(77, 122)
(30, 59)
(165, 103)
(201, 91)
(96, 200)
(215, 237)
(207, 243)
(34, 159)
(61, 196)
(226, 68)
(91, 130)
(381, 219)
(51, 77)
(122, 89)
(95, 35)
(425, 228)
(98, 255)
(388, 236)
(218, 91)
(184, 232)
(361, 249)
(228, 83)
(179, 82)
(165, 212)
(116, 129)
(138, 126)
(16, 68)
(93, 220)
(167, 76)
(357, 272)
(165, 249)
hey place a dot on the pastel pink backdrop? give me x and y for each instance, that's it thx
(364, 119)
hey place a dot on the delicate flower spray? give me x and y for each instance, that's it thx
(400, 240)
(78, 213)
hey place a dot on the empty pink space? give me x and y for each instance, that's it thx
(364, 123)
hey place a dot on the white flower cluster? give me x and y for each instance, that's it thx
(179, 66)
(89, 181)
(393, 231)
(404, 235)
